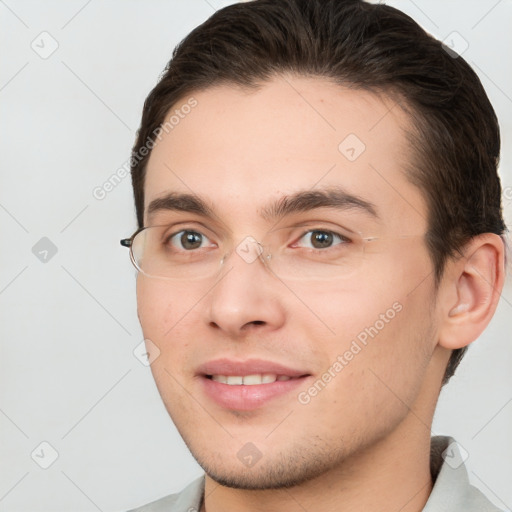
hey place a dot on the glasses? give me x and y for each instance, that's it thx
(298, 253)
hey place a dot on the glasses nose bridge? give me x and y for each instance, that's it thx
(249, 249)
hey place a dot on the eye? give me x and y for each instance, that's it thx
(187, 240)
(323, 239)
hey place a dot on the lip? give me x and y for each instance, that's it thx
(246, 398)
(248, 367)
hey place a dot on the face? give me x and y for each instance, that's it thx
(321, 355)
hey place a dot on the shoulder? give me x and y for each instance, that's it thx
(452, 490)
(478, 501)
(188, 500)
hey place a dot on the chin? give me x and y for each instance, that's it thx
(285, 470)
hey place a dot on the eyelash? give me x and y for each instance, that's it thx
(343, 239)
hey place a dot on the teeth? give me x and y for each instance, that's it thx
(249, 380)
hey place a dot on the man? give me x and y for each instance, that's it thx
(320, 239)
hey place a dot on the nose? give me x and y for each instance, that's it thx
(246, 296)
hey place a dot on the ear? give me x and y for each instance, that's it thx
(471, 289)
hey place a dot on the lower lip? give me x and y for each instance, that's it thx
(247, 398)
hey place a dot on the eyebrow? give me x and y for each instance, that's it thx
(300, 201)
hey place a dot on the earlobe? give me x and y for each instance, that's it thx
(475, 282)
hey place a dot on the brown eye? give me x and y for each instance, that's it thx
(322, 239)
(188, 240)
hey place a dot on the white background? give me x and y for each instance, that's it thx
(68, 327)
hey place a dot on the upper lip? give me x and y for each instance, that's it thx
(247, 367)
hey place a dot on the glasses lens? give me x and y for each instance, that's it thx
(160, 251)
(320, 255)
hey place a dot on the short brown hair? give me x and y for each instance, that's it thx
(456, 143)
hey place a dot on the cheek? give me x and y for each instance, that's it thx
(152, 307)
(161, 311)
(161, 307)
(373, 364)
(381, 326)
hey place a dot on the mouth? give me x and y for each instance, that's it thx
(248, 385)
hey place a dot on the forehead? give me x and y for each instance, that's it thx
(238, 149)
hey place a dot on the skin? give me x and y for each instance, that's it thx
(362, 443)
